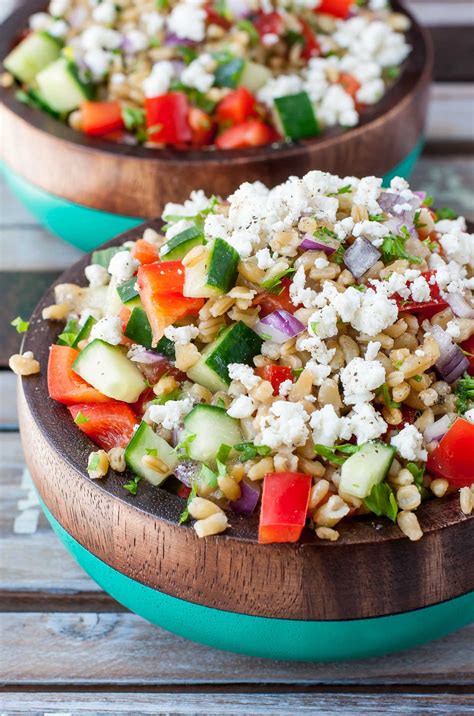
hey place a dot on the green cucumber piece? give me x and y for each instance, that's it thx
(166, 348)
(146, 442)
(215, 274)
(138, 328)
(212, 427)
(104, 256)
(32, 55)
(254, 76)
(229, 73)
(108, 370)
(367, 467)
(296, 116)
(61, 87)
(176, 248)
(128, 294)
(236, 344)
(84, 331)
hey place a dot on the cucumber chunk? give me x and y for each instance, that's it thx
(61, 87)
(254, 76)
(176, 248)
(366, 468)
(128, 294)
(138, 328)
(104, 256)
(212, 427)
(32, 55)
(84, 331)
(237, 344)
(229, 73)
(296, 116)
(215, 274)
(108, 370)
(146, 442)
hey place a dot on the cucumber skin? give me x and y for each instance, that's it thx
(85, 331)
(254, 76)
(50, 44)
(61, 87)
(248, 341)
(223, 262)
(104, 256)
(296, 115)
(208, 439)
(353, 465)
(229, 73)
(138, 328)
(143, 438)
(176, 248)
(127, 291)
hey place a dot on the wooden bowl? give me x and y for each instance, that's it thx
(65, 177)
(372, 591)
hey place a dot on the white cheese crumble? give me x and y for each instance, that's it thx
(242, 407)
(187, 20)
(284, 425)
(171, 414)
(360, 378)
(409, 443)
(182, 335)
(285, 387)
(469, 415)
(244, 374)
(420, 290)
(326, 425)
(97, 275)
(108, 329)
(122, 266)
(372, 350)
(199, 73)
(265, 260)
(364, 422)
(159, 79)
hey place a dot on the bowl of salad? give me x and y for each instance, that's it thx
(253, 424)
(112, 111)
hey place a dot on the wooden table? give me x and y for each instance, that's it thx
(68, 648)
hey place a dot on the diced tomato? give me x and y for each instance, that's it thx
(109, 424)
(64, 385)
(276, 374)
(453, 459)
(409, 415)
(161, 290)
(311, 45)
(423, 309)
(252, 133)
(349, 83)
(338, 8)
(140, 406)
(468, 348)
(236, 107)
(202, 127)
(145, 252)
(184, 491)
(269, 23)
(214, 18)
(285, 501)
(99, 118)
(167, 118)
(270, 302)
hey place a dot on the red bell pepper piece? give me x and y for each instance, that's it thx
(468, 348)
(99, 118)
(269, 23)
(285, 501)
(338, 8)
(202, 127)
(252, 133)
(214, 18)
(311, 45)
(275, 374)
(64, 385)
(453, 459)
(236, 107)
(423, 309)
(167, 118)
(160, 286)
(145, 252)
(349, 84)
(270, 302)
(109, 424)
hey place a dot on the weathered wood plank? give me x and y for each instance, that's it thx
(450, 112)
(434, 13)
(8, 415)
(99, 650)
(237, 704)
(453, 48)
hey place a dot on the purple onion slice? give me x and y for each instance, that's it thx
(309, 243)
(459, 305)
(279, 326)
(247, 502)
(361, 256)
(452, 362)
(437, 430)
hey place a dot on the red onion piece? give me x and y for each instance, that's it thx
(361, 256)
(171, 40)
(247, 502)
(459, 305)
(437, 430)
(279, 326)
(452, 362)
(421, 195)
(187, 470)
(309, 243)
(147, 357)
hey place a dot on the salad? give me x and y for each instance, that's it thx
(191, 73)
(305, 353)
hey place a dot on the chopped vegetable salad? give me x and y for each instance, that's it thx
(232, 74)
(305, 353)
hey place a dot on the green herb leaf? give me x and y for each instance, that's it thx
(174, 395)
(208, 477)
(187, 54)
(417, 472)
(70, 333)
(391, 73)
(274, 285)
(446, 213)
(393, 247)
(133, 117)
(382, 502)
(132, 485)
(182, 448)
(323, 233)
(250, 29)
(20, 325)
(80, 419)
(249, 451)
(223, 453)
(93, 462)
(152, 451)
(377, 217)
(184, 517)
(428, 201)
(329, 452)
(464, 392)
(219, 402)
(416, 220)
(387, 398)
(343, 190)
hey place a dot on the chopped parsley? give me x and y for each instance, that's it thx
(219, 402)
(20, 325)
(329, 452)
(174, 395)
(346, 189)
(182, 448)
(134, 120)
(132, 485)
(393, 247)
(387, 399)
(446, 213)
(208, 477)
(416, 220)
(153, 452)
(80, 419)
(323, 233)
(382, 502)
(428, 201)
(377, 217)
(249, 451)
(93, 462)
(185, 53)
(417, 473)
(464, 392)
(391, 73)
(274, 285)
(250, 29)
(70, 333)
(338, 255)
(184, 516)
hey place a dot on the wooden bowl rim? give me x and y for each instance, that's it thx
(73, 446)
(416, 70)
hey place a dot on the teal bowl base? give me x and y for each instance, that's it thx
(273, 638)
(88, 228)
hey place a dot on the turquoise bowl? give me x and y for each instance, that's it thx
(87, 228)
(287, 639)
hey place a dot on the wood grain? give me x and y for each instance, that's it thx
(137, 181)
